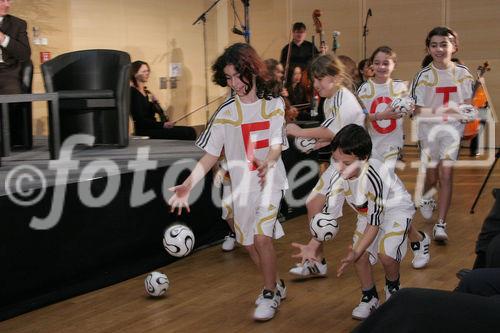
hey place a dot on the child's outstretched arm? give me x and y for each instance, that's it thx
(316, 132)
(354, 254)
(181, 192)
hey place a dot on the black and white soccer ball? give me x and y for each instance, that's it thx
(323, 227)
(178, 240)
(468, 112)
(156, 284)
(305, 145)
(403, 105)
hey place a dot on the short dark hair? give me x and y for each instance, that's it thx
(353, 140)
(444, 32)
(248, 64)
(298, 26)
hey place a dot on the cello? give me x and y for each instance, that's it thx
(479, 100)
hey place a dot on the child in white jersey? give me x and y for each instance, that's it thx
(384, 213)
(385, 127)
(341, 108)
(251, 131)
(439, 90)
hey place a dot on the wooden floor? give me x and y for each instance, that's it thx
(212, 291)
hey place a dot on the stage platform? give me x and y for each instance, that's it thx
(165, 152)
(63, 235)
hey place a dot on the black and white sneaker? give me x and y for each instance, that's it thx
(267, 306)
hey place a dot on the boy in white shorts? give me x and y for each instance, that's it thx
(384, 213)
(251, 131)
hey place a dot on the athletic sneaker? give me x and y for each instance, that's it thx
(310, 269)
(229, 242)
(439, 232)
(390, 291)
(267, 306)
(365, 308)
(427, 206)
(421, 255)
(280, 292)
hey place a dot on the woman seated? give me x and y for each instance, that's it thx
(144, 108)
(297, 88)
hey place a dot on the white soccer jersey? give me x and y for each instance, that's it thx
(433, 88)
(386, 135)
(377, 192)
(342, 109)
(246, 131)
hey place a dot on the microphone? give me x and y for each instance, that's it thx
(237, 31)
(370, 12)
(336, 44)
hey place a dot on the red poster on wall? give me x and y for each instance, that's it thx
(44, 56)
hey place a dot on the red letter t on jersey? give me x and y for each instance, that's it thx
(446, 91)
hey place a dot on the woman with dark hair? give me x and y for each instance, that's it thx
(144, 108)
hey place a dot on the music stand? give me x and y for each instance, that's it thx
(484, 182)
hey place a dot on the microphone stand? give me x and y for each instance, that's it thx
(365, 31)
(203, 18)
(246, 5)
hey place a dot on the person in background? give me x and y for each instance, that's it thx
(365, 70)
(14, 49)
(301, 51)
(144, 108)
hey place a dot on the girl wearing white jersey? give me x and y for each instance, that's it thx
(250, 129)
(438, 90)
(341, 108)
(385, 127)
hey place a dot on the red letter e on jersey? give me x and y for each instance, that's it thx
(250, 146)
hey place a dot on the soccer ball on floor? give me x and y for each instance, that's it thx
(178, 240)
(305, 145)
(404, 105)
(323, 227)
(156, 284)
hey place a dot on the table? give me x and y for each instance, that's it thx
(54, 130)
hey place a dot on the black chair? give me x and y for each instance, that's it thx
(20, 115)
(94, 93)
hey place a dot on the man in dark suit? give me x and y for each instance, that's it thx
(301, 50)
(14, 49)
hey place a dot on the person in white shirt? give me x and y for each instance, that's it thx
(439, 91)
(250, 129)
(385, 126)
(384, 213)
(341, 108)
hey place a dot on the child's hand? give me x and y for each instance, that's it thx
(262, 169)
(389, 113)
(219, 178)
(180, 199)
(305, 253)
(348, 259)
